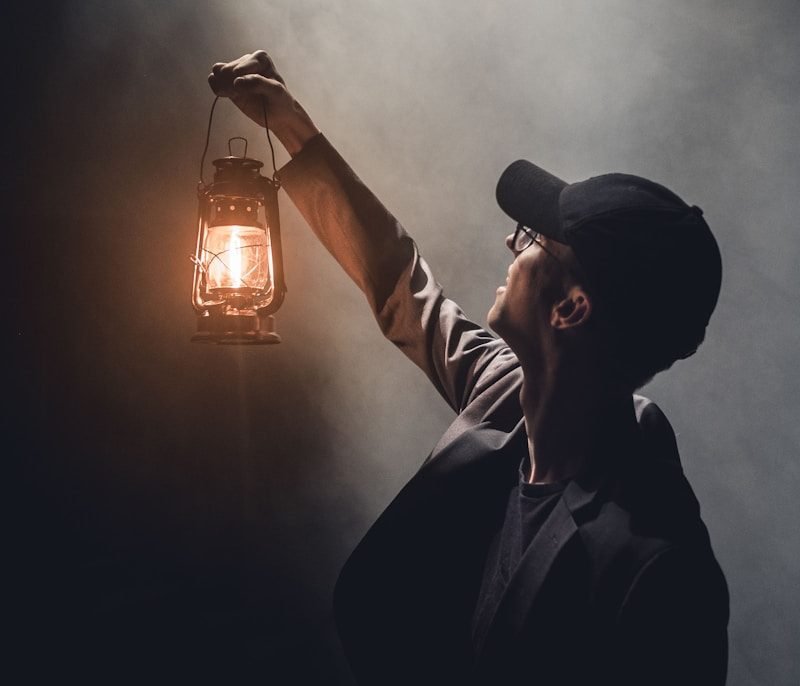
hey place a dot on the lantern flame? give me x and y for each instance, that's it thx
(235, 260)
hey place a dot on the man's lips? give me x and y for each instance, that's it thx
(502, 288)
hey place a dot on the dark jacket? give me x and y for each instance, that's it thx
(620, 584)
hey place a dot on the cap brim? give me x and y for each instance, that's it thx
(529, 195)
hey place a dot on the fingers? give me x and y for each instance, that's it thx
(217, 83)
(258, 63)
(257, 84)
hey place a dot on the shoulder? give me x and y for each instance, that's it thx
(647, 519)
(677, 582)
(650, 555)
(675, 614)
(660, 595)
(627, 544)
(657, 433)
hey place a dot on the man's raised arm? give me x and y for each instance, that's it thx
(364, 237)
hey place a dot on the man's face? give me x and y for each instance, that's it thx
(536, 279)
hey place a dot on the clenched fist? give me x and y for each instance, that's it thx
(253, 84)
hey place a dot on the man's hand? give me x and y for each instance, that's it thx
(253, 83)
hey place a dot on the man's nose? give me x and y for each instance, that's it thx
(510, 242)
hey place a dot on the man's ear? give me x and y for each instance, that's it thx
(573, 310)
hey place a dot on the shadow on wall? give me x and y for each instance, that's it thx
(163, 522)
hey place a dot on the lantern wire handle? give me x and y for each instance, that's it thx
(208, 138)
(275, 180)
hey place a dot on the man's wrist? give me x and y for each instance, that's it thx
(296, 132)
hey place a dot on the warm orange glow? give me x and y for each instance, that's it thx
(237, 257)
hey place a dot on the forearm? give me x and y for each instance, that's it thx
(354, 226)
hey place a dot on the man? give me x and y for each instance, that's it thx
(550, 537)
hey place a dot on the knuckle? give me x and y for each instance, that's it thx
(213, 81)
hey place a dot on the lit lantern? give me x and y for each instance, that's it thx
(238, 273)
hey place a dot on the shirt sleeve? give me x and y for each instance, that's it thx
(384, 262)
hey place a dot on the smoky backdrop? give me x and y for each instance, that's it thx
(182, 511)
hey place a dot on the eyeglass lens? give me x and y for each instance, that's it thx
(524, 237)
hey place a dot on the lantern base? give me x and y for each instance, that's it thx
(236, 329)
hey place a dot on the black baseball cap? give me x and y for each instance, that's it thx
(649, 258)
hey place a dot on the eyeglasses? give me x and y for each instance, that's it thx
(523, 238)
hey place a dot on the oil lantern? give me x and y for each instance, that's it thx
(238, 269)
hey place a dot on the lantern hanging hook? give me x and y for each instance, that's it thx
(237, 138)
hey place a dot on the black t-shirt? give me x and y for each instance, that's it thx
(527, 509)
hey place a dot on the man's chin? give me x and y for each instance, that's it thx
(493, 319)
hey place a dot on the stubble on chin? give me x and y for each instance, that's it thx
(494, 318)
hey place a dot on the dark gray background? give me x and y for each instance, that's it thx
(184, 510)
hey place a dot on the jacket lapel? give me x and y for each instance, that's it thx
(526, 582)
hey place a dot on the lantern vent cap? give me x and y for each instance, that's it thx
(232, 167)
